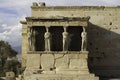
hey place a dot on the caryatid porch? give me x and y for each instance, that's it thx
(57, 48)
(57, 33)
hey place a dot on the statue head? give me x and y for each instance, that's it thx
(83, 29)
(47, 28)
(65, 27)
(65, 30)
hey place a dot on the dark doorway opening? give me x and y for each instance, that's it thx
(75, 36)
(56, 41)
(40, 42)
(57, 38)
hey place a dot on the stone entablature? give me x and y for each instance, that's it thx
(57, 21)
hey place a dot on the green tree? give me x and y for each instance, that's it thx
(5, 52)
(12, 65)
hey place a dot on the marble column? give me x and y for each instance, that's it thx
(84, 40)
(47, 38)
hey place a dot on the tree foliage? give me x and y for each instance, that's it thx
(5, 52)
(12, 65)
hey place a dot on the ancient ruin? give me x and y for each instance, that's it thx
(54, 42)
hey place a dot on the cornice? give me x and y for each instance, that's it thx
(74, 7)
(56, 18)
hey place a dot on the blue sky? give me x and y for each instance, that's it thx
(12, 11)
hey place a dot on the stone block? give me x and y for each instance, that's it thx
(73, 72)
(78, 64)
(47, 62)
(73, 56)
(33, 61)
(83, 55)
(10, 76)
(60, 77)
(61, 61)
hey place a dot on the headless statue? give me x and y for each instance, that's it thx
(33, 39)
(47, 37)
(65, 39)
(29, 38)
(84, 40)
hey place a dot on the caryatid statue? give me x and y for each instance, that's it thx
(29, 38)
(84, 40)
(33, 39)
(65, 39)
(47, 37)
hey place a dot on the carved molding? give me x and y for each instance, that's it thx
(58, 52)
(67, 8)
(23, 22)
(37, 23)
(57, 21)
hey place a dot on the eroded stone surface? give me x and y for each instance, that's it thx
(33, 61)
(61, 61)
(78, 63)
(47, 61)
(10, 76)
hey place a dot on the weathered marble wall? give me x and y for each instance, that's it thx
(24, 44)
(103, 34)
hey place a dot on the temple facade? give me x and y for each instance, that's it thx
(61, 42)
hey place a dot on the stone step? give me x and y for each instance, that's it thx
(73, 72)
(61, 77)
